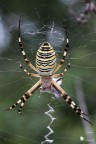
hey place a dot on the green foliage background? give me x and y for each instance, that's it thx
(30, 128)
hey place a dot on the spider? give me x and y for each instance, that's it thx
(46, 69)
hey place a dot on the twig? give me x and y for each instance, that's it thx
(90, 7)
(81, 101)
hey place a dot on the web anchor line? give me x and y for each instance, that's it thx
(48, 113)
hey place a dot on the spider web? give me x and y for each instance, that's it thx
(46, 119)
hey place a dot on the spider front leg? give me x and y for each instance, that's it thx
(64, 55)
(70, 101)
(25, 97)
(23, 52)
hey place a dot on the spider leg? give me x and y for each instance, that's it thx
(25, 97)
(64, 55)
(64, 71)
(23, 52)
(70, 101)
(26, 71)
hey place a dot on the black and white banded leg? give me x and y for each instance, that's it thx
(64, 71)
(64, 55)
(25, 97)
(70, 101)
(26, 71)
(23, 52)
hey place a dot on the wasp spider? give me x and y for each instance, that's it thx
(49, 81)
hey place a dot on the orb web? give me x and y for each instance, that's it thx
(32, 126)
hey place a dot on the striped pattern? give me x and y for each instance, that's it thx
(70, 101)
(23, 52)
(45, 59)
(22, 101)
(64, 55)
(64, 71)
(25, 97)
(26, 71)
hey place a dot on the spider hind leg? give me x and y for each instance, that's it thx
(70, 101)
(25, 97)
(22, 101)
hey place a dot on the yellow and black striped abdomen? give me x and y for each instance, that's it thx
(45, 59)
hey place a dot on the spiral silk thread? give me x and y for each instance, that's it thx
(47, 139)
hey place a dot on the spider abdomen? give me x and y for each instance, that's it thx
(45, 59)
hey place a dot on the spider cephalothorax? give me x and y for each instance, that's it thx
(49, 81)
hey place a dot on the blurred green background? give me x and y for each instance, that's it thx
(44, 20)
